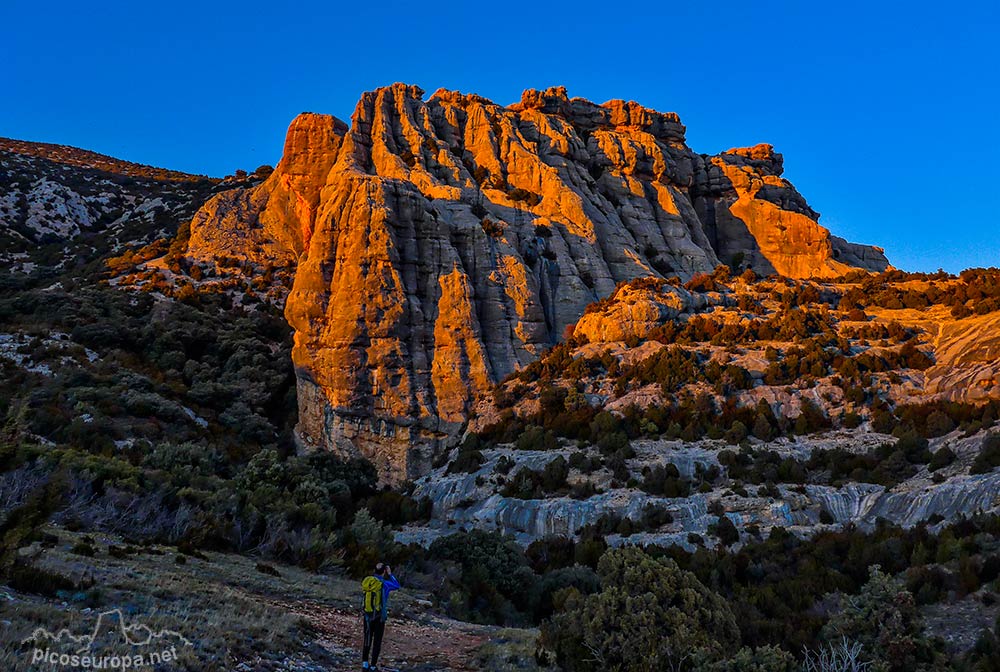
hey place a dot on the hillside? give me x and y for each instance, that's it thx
(63, 207)
(82, 158)
(799, 404)
(241, 614)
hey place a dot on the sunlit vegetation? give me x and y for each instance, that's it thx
(809, 334)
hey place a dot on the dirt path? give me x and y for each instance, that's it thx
(426, 643)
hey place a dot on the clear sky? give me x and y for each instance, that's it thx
(886, 112)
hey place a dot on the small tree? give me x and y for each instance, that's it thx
(372, 541)
(883, 620)
(726, 531)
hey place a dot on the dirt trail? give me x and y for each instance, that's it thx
(425, 643)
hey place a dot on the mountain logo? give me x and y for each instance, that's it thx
(113, 643)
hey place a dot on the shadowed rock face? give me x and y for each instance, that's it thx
(442, 244)
(474, 500)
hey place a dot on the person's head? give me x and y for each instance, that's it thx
(381, 568)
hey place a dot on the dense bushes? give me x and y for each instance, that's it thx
(467, 461)
(495, 583)
(395, 508)
(153, 371)
(530, 484)
(665, 481)
(763, 659)
(22, 524)
(884, 621)
(179, 414)
(775, 584)
(300, 509)
(648, 615)
(886, 465)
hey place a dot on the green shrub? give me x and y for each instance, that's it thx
(941, 459)
(550, 553)
(763, 659)
(655, 516)
(495, 584)
(466, 462)
(884, 620)
(852, 420)
(988, 458)
(556, 584)
(395, 508)
(589, 551)
(644, 605)
(665, 481)
(22, 524)
(537, 438)
(83, 548)
(370, 541)
(726, 531)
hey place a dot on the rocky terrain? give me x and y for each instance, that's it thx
(704, 379)
(440, 244)
(60, 203)
(243, 615)
(479, 500)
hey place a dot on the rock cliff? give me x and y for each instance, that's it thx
(441, 244)
(271, 222)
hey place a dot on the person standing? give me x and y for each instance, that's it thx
(375, 611)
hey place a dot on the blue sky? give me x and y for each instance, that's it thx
(887, 113)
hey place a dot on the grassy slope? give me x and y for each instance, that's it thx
(234, 613)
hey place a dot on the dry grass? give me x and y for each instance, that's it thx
(222, 604)
(238, 617)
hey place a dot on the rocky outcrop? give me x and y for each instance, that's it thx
(271, 222)
(474, 500)
(443, 243)
(967, 359)
(634, 309)
(767, 220)
(857, 504)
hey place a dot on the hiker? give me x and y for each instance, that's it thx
(375, 610)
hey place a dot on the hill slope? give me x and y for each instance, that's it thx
(61, 204)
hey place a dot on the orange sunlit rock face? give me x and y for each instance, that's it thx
(273, 221)
(441, 244)
(789, 239)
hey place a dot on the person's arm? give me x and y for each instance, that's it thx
(390, 583)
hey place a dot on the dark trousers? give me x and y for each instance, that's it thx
(374, 629)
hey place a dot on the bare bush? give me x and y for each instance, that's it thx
(843, 656)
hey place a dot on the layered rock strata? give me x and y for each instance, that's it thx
(475, 500)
